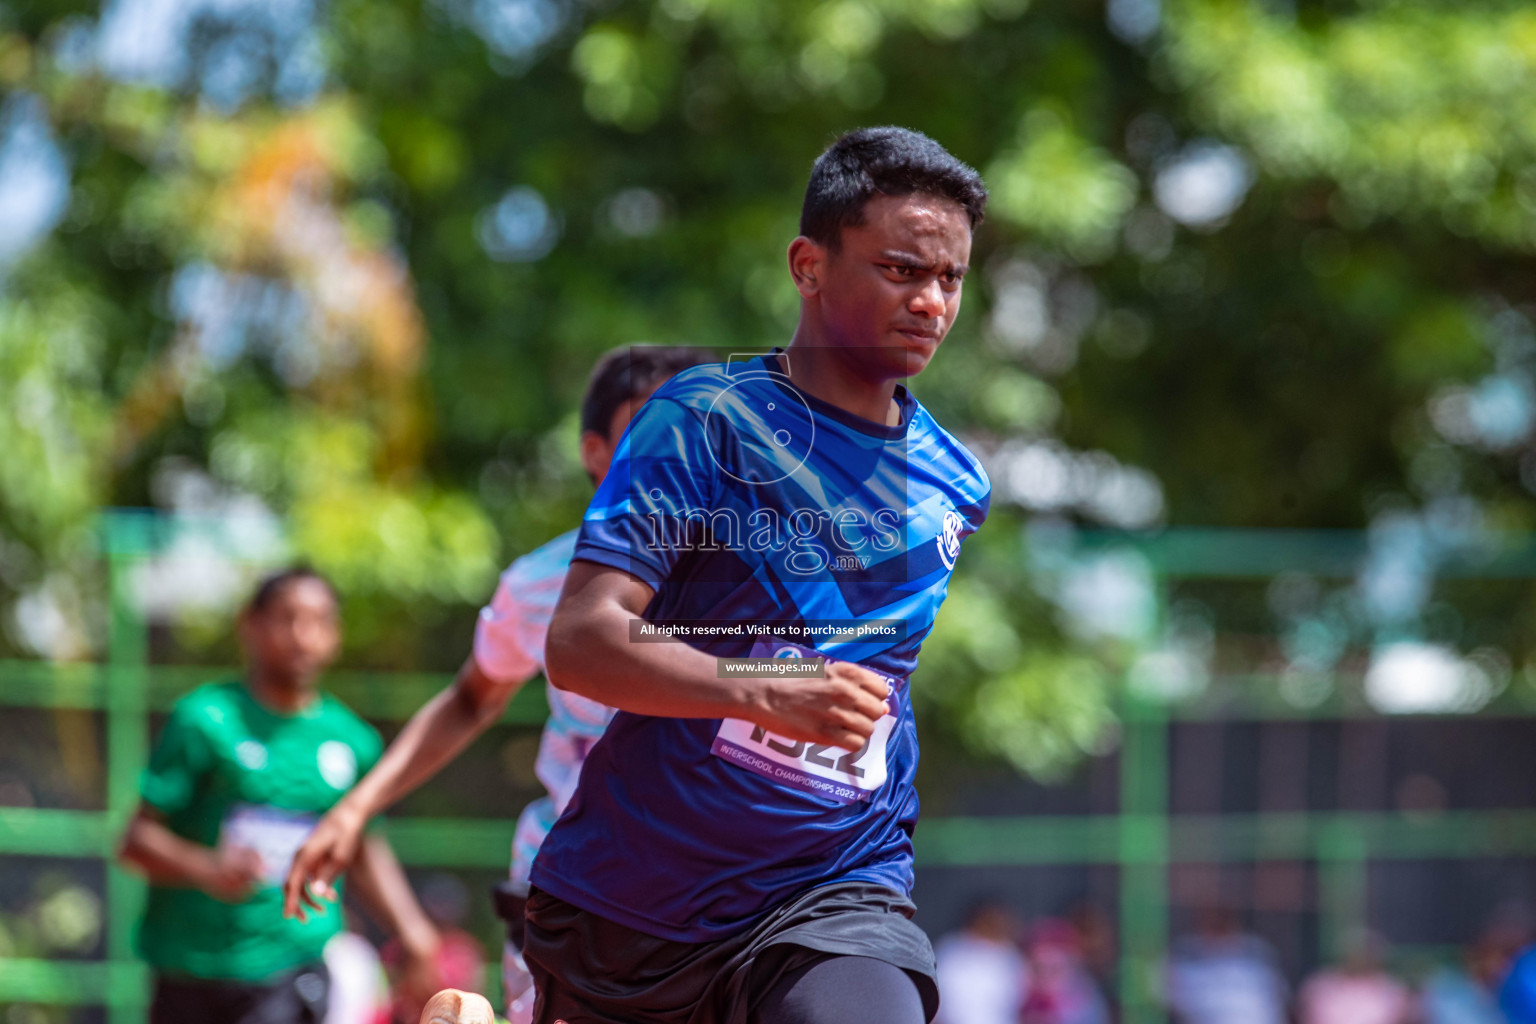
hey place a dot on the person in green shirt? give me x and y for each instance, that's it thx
(241, 772)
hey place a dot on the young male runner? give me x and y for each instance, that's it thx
(739, 845)
(239, 775)
(508, 651)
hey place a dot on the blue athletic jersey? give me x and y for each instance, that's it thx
(761, 514)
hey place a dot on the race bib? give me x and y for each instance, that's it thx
(275, 836)
(829, 771)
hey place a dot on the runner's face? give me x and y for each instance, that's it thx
(892, 289)
(297, 634)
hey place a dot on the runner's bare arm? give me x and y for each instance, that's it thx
(386, 893)
(589, 652)
(167, 859)
(435, 735)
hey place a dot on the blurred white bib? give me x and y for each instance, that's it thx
(274, 834)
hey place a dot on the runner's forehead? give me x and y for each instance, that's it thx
(307, 594)
(927, 226)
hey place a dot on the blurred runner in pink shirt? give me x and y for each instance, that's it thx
(1357, 992)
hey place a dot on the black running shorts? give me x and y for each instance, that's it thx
(589, 970)
(298, 997)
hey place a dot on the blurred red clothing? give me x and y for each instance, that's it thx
(460, 964)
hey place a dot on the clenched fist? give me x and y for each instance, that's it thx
(451, 1006)
(840, 710)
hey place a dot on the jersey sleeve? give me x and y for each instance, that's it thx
(178, 762)
(661, 484)
(509, 635)
(976, 503)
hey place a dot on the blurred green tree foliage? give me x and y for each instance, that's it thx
(1249, 263)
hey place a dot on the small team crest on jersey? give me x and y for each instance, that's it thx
(338, 764)
(251, 755)
(788, 651)
(949, 538)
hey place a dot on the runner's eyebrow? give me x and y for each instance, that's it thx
(907, 259)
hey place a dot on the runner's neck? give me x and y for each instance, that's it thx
(281, 697)
(820, 372)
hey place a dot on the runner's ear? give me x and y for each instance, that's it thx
(596, 455)
(806, 256)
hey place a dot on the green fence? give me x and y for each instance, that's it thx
(1142, 839)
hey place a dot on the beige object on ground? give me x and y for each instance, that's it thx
(450, 1006)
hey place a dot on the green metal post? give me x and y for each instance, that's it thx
(127, 743)
(1143, 858)
(1342, 870)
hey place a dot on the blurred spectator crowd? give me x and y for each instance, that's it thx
(997, 969)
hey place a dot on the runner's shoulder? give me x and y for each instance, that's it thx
(211, 704)
(698, 387)
(963, 469)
